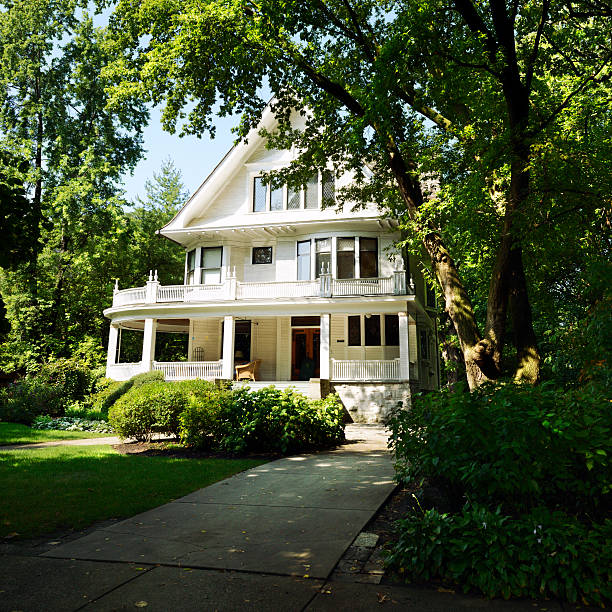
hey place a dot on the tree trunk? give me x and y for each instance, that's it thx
(454, 366)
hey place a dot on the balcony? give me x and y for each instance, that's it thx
(323, 287)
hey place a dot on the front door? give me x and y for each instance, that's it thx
(305, 354)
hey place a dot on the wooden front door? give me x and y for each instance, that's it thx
(305, 354)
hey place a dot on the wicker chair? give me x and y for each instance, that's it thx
(248, 370)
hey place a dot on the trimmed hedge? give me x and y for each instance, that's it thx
(235, 421)
(106, 397)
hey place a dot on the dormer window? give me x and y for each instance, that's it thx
(311, 193)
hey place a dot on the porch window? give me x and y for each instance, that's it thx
(345, 258)
(303, 258)
(354, 330)
(211, 265)
(372, 330)
(311, 189)
(368, 257)
(262, 255)
(328, 188)
(191, 257)
(391, 330)
(322, 256)
(259, 194)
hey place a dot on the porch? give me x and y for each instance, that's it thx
(338, 348)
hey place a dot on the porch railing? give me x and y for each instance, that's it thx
(123, 371)
(365, 369)
(189, 370)
(231, 289)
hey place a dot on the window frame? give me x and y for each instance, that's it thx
(269, 249)
(203, 269)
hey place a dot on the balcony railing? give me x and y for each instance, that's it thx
(325, 286)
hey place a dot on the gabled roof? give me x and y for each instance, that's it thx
(218, 178)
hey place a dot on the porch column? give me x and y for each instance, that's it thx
(404, 346)
(113, 335)
(227, 371)
(324, 369)
(148, 344)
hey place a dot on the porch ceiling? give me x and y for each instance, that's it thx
(172, 326)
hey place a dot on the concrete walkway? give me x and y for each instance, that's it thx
(265, 539)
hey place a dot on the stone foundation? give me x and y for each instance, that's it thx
(372, 402)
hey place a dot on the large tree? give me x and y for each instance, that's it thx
(54, 116)
(486, 87)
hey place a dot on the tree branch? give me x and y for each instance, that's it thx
(536, 45)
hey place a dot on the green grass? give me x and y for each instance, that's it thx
(63, 487)
(13, 433)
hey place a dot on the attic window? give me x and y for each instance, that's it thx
(262, 255)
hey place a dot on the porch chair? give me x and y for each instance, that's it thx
(248, 370)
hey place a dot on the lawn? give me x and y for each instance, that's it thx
(13, 433)
(63, 487)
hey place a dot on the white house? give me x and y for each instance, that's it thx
(319, 296)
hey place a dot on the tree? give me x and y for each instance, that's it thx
(390, 82)
(54, 115)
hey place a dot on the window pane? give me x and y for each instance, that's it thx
(211, 277)
(312, 192)
(191, 260)
(354, 330)
(372, 330)
(211, 257)
(262, 255)
(323, 245)
(259, 194)
(368, 258)
(276, 199)
(322, 264)
(293, 199)
(329, 188)
(391, 330)
(303, 249)
(345, 264)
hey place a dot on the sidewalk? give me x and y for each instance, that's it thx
(265, 539)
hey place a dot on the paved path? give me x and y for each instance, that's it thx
(265, 539)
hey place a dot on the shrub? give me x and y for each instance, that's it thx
(272, 420)
(513, 445)
(539, 554)
(71, 424)
(105, 398)
(154, 406)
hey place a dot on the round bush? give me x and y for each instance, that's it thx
(152, 407)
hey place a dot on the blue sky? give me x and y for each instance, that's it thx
(194, 157)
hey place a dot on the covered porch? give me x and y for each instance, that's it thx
(342, 348)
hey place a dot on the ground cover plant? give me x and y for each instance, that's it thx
(16, 433)
(515, 491)
(72, 487)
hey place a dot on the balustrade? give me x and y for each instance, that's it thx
(189, 370)
(365, 369)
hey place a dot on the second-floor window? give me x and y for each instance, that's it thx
(191, 261)
(345, 258)
(303, 260)
(322, 256)
(211, 265)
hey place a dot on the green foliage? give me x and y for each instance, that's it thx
(526, 473)
(518, 446)
(50, 391)
(278, 421)
(107, 396)
(148, 407)
(539, 554)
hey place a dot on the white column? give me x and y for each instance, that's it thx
(148, 344)
(404, 346)
(228, 348)
(324, 346)
(111, 357)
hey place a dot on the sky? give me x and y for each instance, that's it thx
(194, 157)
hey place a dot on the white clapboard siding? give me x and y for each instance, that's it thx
(263, 346)
(337, 349)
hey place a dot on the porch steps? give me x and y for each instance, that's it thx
(305, 387)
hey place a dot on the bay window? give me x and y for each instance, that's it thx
(345, 258)
(368, 257)
(322, 256)
(211, 265)
(303, 260)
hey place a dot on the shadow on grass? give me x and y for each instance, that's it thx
(72, 487)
